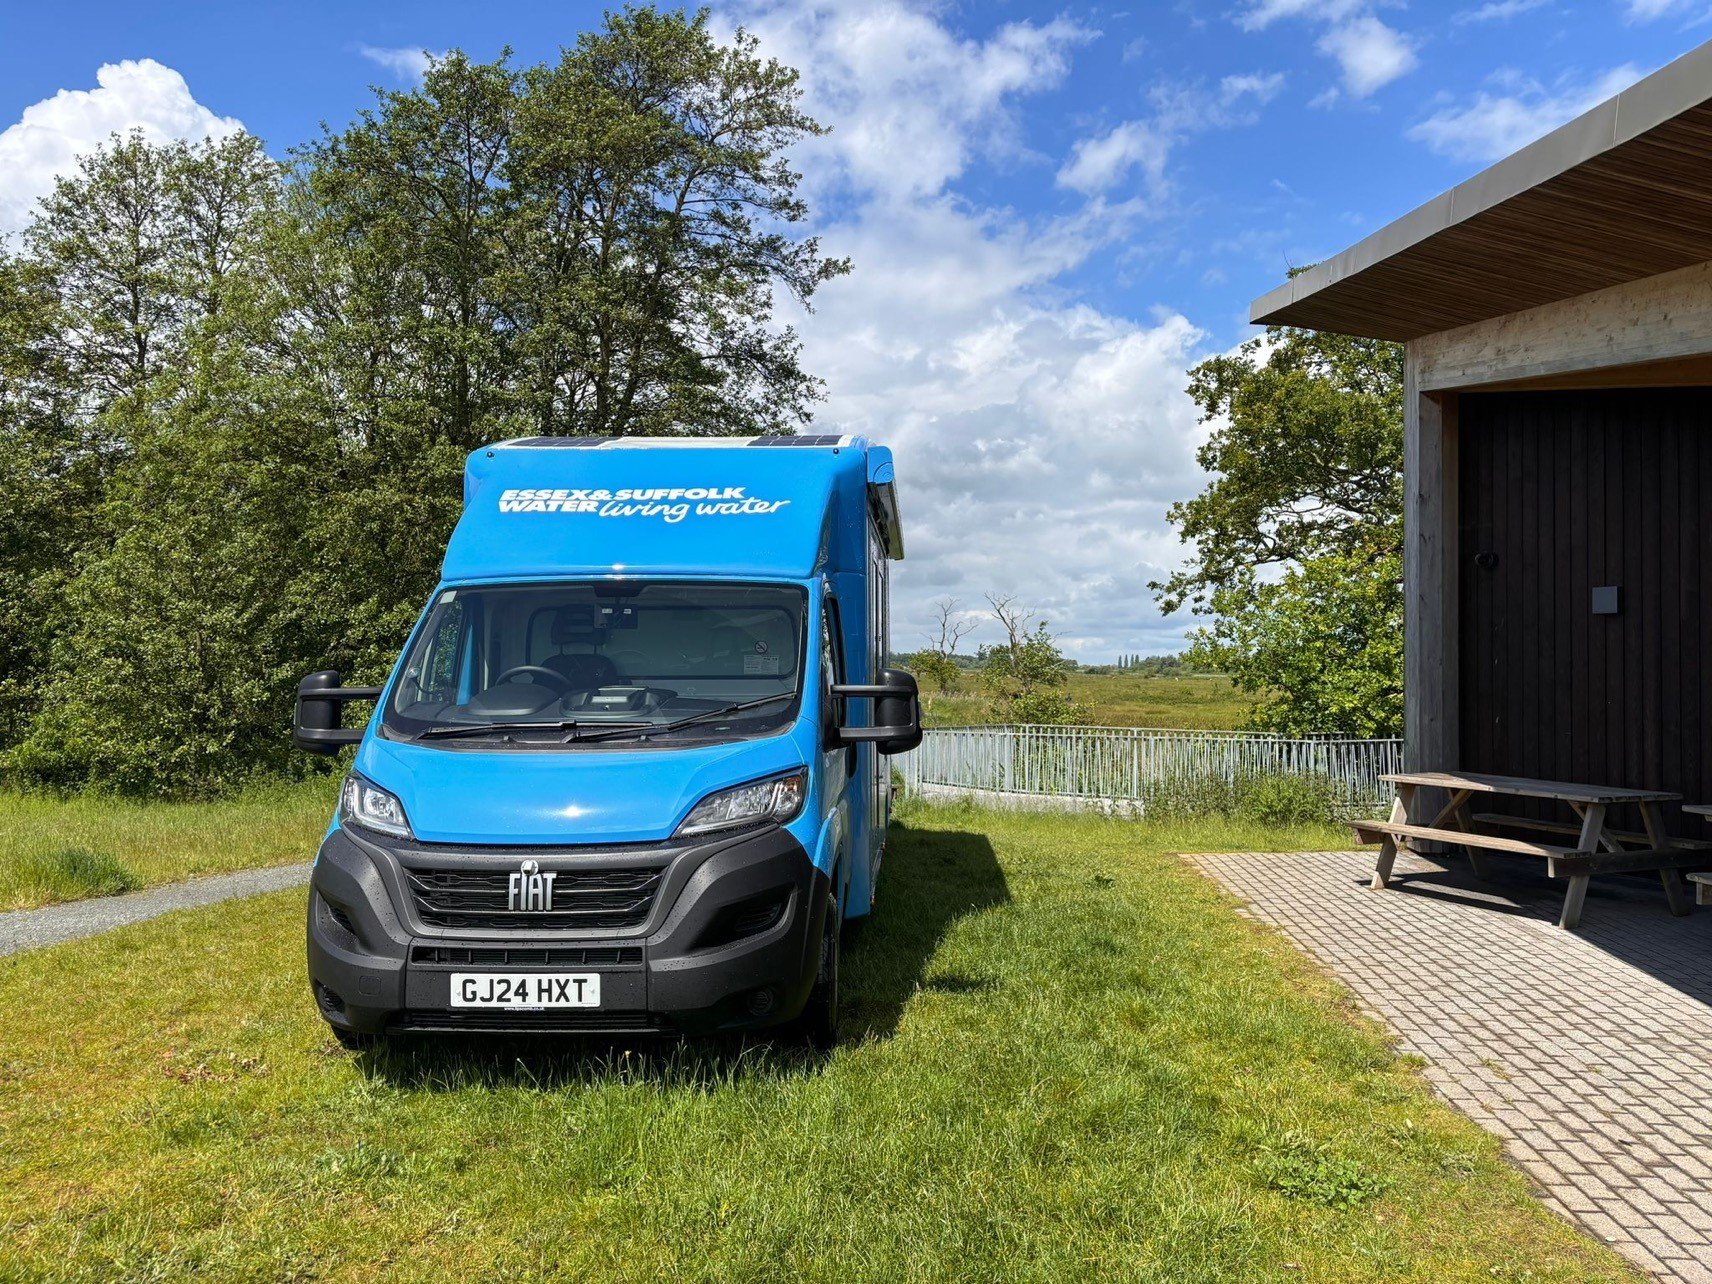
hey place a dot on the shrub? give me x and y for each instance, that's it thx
(1287, 800)
(1269, 799)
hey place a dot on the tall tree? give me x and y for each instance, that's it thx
(1296, 543)
(162, 627)
(937, 661)
(235, 401)
(48, 485)
(1026, 671)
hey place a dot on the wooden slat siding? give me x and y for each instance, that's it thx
(1659, 573)
(1641, 209)
(1696, 456)
(1572, 490)
(1476, 601)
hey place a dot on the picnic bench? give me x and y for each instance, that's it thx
(1596, 848)
(1702, 879)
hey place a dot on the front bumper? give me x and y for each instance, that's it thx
(731, 940)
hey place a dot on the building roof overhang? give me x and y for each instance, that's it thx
(1620, 193)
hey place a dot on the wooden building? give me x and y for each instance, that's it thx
(1557, 316)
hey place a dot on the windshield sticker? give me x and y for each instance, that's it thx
(759, 664)
(668, 505)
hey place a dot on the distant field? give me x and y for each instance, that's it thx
(1115, 700)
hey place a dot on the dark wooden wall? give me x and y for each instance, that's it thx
(1560, 492)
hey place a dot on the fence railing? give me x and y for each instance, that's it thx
(1130, 765)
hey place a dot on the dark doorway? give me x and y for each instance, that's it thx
(1585, 560)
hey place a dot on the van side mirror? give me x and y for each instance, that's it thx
(318, 724)
(897, 712)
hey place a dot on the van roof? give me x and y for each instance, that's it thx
(750, 507)
(671, 443)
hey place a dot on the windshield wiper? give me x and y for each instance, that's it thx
(504, 728)
(642, 732)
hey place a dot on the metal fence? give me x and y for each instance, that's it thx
(1129, 765)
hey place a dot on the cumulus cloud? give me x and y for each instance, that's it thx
(912, 103)
(407, 62)
(1512, 111)
(1039, 440)
(1369, 54)
(47, 139)
(1099, 163)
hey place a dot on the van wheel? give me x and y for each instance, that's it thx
(818, 1024)
(354, 1040)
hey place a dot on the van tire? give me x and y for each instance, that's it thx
(817, 1026)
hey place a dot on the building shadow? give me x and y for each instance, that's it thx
(931, 878)
(1625, 915)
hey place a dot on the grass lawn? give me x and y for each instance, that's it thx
(1114, 700)
(63, 849)
(1065, 1057)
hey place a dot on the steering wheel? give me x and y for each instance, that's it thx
(536, 673)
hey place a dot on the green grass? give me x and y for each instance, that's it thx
(1113, 700)
(1065, 1057)
(66, 848)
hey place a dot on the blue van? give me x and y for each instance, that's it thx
(627, 775)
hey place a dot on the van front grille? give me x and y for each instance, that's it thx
(606, 899)
(529, 956)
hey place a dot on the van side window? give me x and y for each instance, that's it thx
(437, 682)
(831, 654)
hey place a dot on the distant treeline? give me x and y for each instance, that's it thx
(1151, 666)
(236, 395)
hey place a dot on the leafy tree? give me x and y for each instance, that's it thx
(936, 663)
(47, 486)
(1025, 673)
(1296, 544)
(169, 645)
(236, 397)
(588, 247)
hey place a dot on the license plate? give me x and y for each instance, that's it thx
(521, 990)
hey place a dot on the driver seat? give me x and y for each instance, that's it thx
(578, 626)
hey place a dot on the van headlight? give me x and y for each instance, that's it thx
(778, 800)
(364, 803)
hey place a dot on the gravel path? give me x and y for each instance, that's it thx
(29, 929)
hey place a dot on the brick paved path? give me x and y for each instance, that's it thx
(1588, 1052)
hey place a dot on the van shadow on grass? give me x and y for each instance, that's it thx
(930, 880)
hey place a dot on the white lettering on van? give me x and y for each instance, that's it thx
(667, 504)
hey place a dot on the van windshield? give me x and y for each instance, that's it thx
(601, 662)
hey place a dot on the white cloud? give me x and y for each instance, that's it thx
(912, 104)
(1512, 112)
(47, 139)
(406, 62)
(1263, 13)
(1371, 54)
(1648, 10)
(1039, 440)
(1498, 11)
(1098, 164)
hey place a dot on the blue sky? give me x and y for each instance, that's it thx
(1053, 209)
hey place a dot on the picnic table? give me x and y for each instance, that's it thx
(1702, 881)
(1597, 848)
